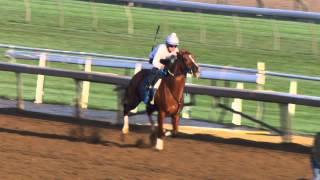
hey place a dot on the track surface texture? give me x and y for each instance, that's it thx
(38, 146)
(34, 146)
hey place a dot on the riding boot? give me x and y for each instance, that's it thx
(153, 93)
(147, 96)
(151, 80)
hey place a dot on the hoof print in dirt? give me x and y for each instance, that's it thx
(141, 144)
(122, 137)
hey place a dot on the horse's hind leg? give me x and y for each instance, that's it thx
(126, 109)
(125, 128)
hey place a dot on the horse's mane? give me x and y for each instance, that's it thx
(183, 51)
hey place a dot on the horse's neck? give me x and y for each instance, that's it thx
(176, 86)
(177, 82)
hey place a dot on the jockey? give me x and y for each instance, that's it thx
(163, 51)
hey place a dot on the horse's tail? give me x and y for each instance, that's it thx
(124, 99)
(124, 95)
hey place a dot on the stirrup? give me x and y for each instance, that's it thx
(146, 99)
(152, 100)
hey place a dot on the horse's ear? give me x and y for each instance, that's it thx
(183, 51)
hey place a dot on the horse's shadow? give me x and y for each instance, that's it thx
(286, 147)
(95, 139)
(76, 134)
(89, 140)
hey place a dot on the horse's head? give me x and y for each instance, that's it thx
(186, 61)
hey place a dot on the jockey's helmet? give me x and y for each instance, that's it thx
(172, 39)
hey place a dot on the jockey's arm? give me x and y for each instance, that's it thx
(157, 57)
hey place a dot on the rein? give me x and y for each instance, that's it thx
(174, 75)
(180, 73)
(177, 100)
(177, 74)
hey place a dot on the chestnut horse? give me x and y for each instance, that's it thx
(169, 98)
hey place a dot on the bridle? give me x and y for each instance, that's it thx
(186, 68)
(184, 73)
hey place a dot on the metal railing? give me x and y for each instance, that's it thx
(229, 68)
(229, 9)
(284, 99)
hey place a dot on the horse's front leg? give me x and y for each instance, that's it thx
(125, 128)
(159, 144)
(150, 110)
(153, 128)
(175, 124)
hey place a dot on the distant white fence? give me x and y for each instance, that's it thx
(229, 9)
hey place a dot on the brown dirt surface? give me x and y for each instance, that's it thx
(312, 5)
(34, 146)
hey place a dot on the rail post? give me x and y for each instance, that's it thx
(237, 105)
(95, 18)
(286, 124)
(261, 80)
(11, 58)
(293, 90)
(86, 85)
(186, 111)
(130, 19)
(213, 102)
(40, 80)
(27, 6)
(225, 101)
(120, 96)
(238, 32)
(20, 103)
(78, 109)
(276, 36)
(61, 13)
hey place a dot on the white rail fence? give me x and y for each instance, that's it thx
(283, 99)
(207, 72)
(228, 9)
(212, 72)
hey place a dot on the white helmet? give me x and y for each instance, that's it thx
(172, 39)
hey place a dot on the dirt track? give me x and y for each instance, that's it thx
(46, 147)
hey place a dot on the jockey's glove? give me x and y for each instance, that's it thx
(163, 72)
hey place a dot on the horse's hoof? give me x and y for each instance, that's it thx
(125, 130)
(159, 145)
(168, 133)
(140, 143)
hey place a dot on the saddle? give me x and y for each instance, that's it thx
(148, 88)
